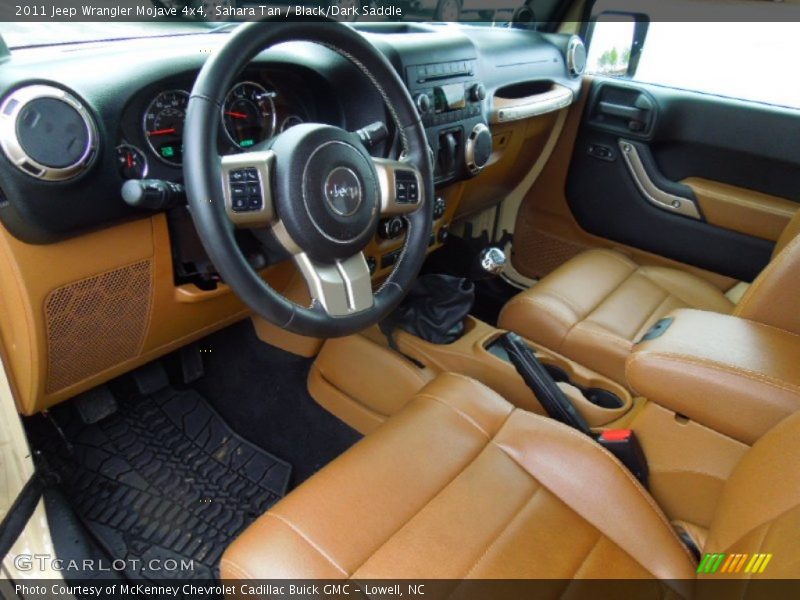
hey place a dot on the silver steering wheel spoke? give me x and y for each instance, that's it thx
(342, 288)
(247, 189)
(401, 186)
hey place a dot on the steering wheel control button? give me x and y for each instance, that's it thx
(406, 187)
(245, 189)
(246, 184)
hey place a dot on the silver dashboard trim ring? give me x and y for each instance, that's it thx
(12, 106)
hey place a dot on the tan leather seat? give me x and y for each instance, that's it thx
(461, 484)
(593, 308)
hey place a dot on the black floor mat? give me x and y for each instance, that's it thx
(164, 478)
(262, 393)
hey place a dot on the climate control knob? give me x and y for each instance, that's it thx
(478, 148)
(477, 92)
(423, 103)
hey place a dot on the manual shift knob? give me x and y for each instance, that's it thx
(492, 260)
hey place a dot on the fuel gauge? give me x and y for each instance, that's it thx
(132, 162)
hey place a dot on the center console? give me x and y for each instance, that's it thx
(706, 387)
(347, 392)
(732, 375)
(450, 99)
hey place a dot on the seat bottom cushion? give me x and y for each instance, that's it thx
(462, 485)
(594, 307)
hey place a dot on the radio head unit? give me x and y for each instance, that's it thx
(449, 97)
(450, 101)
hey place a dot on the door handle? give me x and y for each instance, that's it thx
(637, 159)
(621, 110)
(634, 115)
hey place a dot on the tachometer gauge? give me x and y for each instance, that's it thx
(248, 114)
(163, 125)
(132, 162)
(290, 122)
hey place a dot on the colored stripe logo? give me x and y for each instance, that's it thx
(733, 563)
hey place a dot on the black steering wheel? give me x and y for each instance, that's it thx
(314, 187)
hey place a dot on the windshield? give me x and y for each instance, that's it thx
(20, 35)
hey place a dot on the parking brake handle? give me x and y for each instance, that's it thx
(541, 383)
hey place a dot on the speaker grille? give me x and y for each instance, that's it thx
(538, 254)
(96, 323)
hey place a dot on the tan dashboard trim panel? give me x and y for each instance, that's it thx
(742, 210)
(29, 274)
(363, 382)
(514, 146)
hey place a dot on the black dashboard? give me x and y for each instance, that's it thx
(114, 110)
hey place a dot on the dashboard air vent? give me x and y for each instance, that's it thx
(47, 133)
(576, 56)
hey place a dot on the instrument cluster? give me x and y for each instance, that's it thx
(252, 112)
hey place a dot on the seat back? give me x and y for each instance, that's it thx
(791, 231)
(759, 511)
(772, 298)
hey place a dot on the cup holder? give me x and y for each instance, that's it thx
(597, 396)
(603, 398)
(600, 397)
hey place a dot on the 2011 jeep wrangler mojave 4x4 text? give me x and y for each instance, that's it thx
(415, 298)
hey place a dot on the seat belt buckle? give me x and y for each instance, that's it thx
(624, 444)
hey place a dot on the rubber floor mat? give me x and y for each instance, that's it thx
(165, 479)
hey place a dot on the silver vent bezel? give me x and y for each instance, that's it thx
(10, 109)
(574, 43)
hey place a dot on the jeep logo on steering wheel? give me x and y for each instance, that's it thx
(343, 191)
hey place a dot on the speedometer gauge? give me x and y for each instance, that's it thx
(163, 125)
(248, 114)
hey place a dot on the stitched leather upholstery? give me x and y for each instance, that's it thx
(594, 307)
(735, 376)
(462, 484)
(772, 299)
